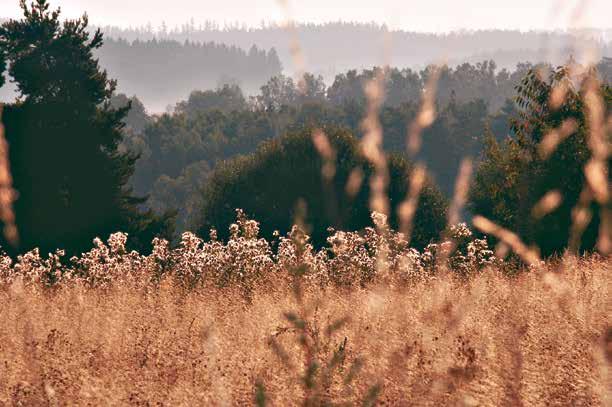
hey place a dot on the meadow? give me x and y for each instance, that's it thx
(413, 308)
(398, 327)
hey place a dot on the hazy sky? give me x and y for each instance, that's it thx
(417, 15)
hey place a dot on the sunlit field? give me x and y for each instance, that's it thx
(234, 324)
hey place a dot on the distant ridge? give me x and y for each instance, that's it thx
(162, 72)
(407, 48)
(162, 65)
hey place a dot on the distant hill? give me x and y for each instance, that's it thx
(333, 48)
(163, 72)
(162, 66)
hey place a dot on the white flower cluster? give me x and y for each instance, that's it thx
(351, 258)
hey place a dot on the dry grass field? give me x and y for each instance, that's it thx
(540, 337)
(367, 320)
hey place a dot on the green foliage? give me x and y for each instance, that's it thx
(64, 138)
(455, 134)
(216, 125)
(514, 176)
(268, 185)
(174, 142)
(226, 99)
(464, 83)
(182, 193)
(281, 92)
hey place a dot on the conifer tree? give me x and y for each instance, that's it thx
(64, 136)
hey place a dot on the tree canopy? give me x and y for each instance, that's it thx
(517, 173)
(269, 184)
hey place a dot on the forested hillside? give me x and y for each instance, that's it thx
(178, 150)
(227, 102)
(163, 72)
(162, 65)
(405, 48)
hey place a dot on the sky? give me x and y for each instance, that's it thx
(412, 15)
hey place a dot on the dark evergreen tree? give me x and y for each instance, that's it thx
(63, 137)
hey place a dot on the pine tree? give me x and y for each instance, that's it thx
(63, 134)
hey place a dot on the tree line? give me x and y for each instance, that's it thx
(162, 72)
(179, 149)
(83, 159)
(547, 181)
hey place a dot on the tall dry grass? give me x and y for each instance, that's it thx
(537, 338)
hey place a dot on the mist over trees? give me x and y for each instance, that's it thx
(163, 65)
(215, 125)
(162, 72)
(406, 48)
(96, 154)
